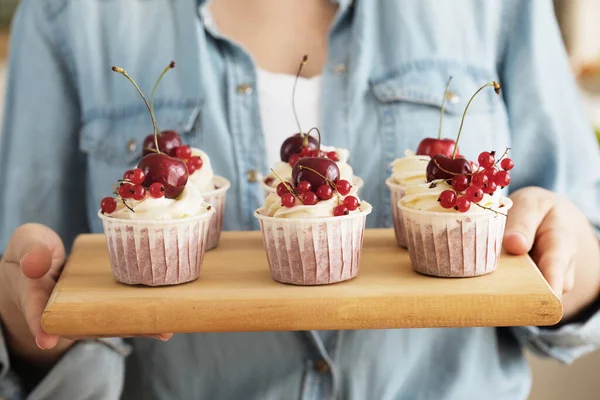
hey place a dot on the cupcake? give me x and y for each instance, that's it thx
(313, 225)
(157, 224)
(406, 171)
(454, 223)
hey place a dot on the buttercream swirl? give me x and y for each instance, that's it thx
(202, 178)
(410, 169)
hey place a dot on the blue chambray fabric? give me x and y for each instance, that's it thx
(70, 122)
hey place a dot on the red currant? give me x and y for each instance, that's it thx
(447, 199)
(139, 192)
(125, 190)
(341, 210)
(183, 152)
(324, 192)
(314, 153)
(351, 202)
(137, 176)
(462, 204)
(474, 194)
(490, 187)
(507, 164)
(127, 174)
(460, 182)
(288, 200)
(108, 205)
(294, 158)
(304, 186)
(333, 156)
(479, 179)
(486, 159)
(491, 174)
(157, 190)
(309, 198)
(305, 152)
(343, 187)
(194, 164)
(282, 189)
(502, 178)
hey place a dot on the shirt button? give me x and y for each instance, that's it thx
(452, 98)
(244, 88)
(253, 176)
(321, 366)
(131, 146)
(340, 68)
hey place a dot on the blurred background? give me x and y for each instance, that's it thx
(581, 33)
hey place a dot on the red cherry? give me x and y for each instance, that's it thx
(343, 187)
(288, 200)
(309, 198)
(313, 169)
(124, 190)
(486, 159)
(183, 152)
(139, 192)
(447, 199)
(108, 205)
(137, 176)
(341, 210)
(474, 194)
(507, 164)
(157, 190)
(294, 158)
(295, 144)
(127, 174)
(479, 179)
(462, 204)
(460, 182)
(168, 141)
(170, 171)
(324, 192)
(282, 189)
(432, 147)
(490, 187)
(443, 167)
(351, 203)
(332, 155)
(303, 187)
(502, 178)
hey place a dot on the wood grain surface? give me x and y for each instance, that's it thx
(235, 292)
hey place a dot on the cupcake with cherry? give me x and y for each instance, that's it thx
(454, 222)
(410, 170)
(313, 225)
(201, 175)
(302, 145)
(156, 224)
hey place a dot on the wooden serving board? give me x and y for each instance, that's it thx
(235, 292)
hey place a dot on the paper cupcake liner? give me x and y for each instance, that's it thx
(356, 181)
(216, 198)
(396, 193)
(454, 245)
(156, 253)
(315, 251)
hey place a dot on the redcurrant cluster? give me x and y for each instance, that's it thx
(309, 196)
(467, 189)
(131, 187)
(193, 163)
(308, 152)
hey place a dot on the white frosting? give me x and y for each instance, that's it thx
(202, 178)
(410, 169)
(189, 203)
(323, 208)
(284, 170)
(425, 198)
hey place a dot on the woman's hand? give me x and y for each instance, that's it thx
(29, 271)
(561, 242)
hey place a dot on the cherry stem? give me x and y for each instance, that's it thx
(330, 182)
(124, 73)
(304, 59)
(443, 106)
(497, 87)
(449, 172)
(490, 209)
(287, 186)
(318, 133)
(503, 155)
(167, 69)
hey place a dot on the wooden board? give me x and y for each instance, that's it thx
(235, 292)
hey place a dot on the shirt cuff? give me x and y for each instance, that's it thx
(91, 369)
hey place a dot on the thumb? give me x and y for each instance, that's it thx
(36, 248)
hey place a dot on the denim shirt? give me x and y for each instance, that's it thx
(72, 127)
